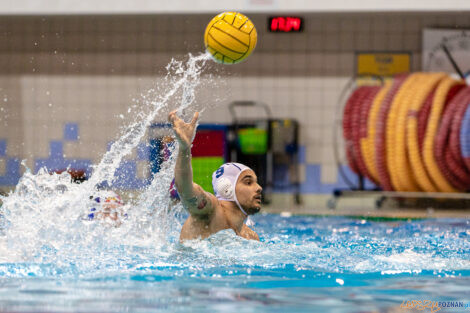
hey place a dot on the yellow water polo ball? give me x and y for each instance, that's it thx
(230, 37)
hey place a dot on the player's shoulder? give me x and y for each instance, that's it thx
(249, 233)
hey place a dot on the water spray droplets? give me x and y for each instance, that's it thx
(44, 220)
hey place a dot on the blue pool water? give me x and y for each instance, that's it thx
(302, 264)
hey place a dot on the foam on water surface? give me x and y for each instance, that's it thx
(301, 262)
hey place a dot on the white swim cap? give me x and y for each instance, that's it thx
(224, 181)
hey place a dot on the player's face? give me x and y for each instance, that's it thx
(249, 192)
(110, 210)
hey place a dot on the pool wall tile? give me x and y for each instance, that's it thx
(71, 131)
(3, 147)
(11, 173)
(301, 158)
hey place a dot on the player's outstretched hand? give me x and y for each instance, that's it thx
(184, 132)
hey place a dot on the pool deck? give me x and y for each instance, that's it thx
(361, 207)
(372, 213)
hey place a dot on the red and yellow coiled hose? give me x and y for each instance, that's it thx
(405, 135)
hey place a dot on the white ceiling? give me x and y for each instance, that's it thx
(40, 7)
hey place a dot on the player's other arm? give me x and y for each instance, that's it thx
(199, 203)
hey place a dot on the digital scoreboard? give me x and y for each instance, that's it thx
(285, 24)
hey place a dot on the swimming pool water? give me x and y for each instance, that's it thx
(302, 264)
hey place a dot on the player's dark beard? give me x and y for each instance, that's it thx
(253, 210)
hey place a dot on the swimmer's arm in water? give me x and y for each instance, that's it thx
(198, 202)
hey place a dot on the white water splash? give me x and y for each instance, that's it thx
(44, 217)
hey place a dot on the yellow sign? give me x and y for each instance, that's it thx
(383, 64)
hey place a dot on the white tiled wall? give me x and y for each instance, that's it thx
(90, 68)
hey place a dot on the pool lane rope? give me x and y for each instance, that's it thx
(418, 169)
(456, 163)
(465, 137)
(381, 134)
(454, 142)
(438, 104)
(441, 153)
(423, 116)
(367, 143)
(361, 118)
(407, 180)
(410, 134)
(395, 138)
(348, 136)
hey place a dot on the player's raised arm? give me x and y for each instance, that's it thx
(199, 203)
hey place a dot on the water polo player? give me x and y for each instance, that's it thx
(237, 192)
(107, 207)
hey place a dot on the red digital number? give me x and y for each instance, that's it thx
(285, 24)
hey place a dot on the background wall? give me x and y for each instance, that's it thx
(20, 7)
(66, 82)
